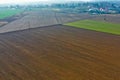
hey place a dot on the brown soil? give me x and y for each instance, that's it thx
(59, 53)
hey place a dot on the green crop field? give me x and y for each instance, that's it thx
(97, 26)
(4, 13)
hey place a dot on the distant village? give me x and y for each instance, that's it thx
(77, 7)
(92, 7)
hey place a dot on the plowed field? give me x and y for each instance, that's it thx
(59, 53)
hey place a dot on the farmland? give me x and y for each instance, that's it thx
(4, 13)
(97, 26)
(7, 15)
(38, 46)
(111, 18)
(59, 53)
(34, 19)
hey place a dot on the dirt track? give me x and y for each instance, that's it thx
(59, 53)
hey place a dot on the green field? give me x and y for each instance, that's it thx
(97, 26)
(4, 13)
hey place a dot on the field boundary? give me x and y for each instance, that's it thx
(91, 30)
(31, 29)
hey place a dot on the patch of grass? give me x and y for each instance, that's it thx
(4, 13)
(97, 26)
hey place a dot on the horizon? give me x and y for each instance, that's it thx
(44, 1)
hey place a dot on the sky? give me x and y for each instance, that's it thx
(28, 1)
